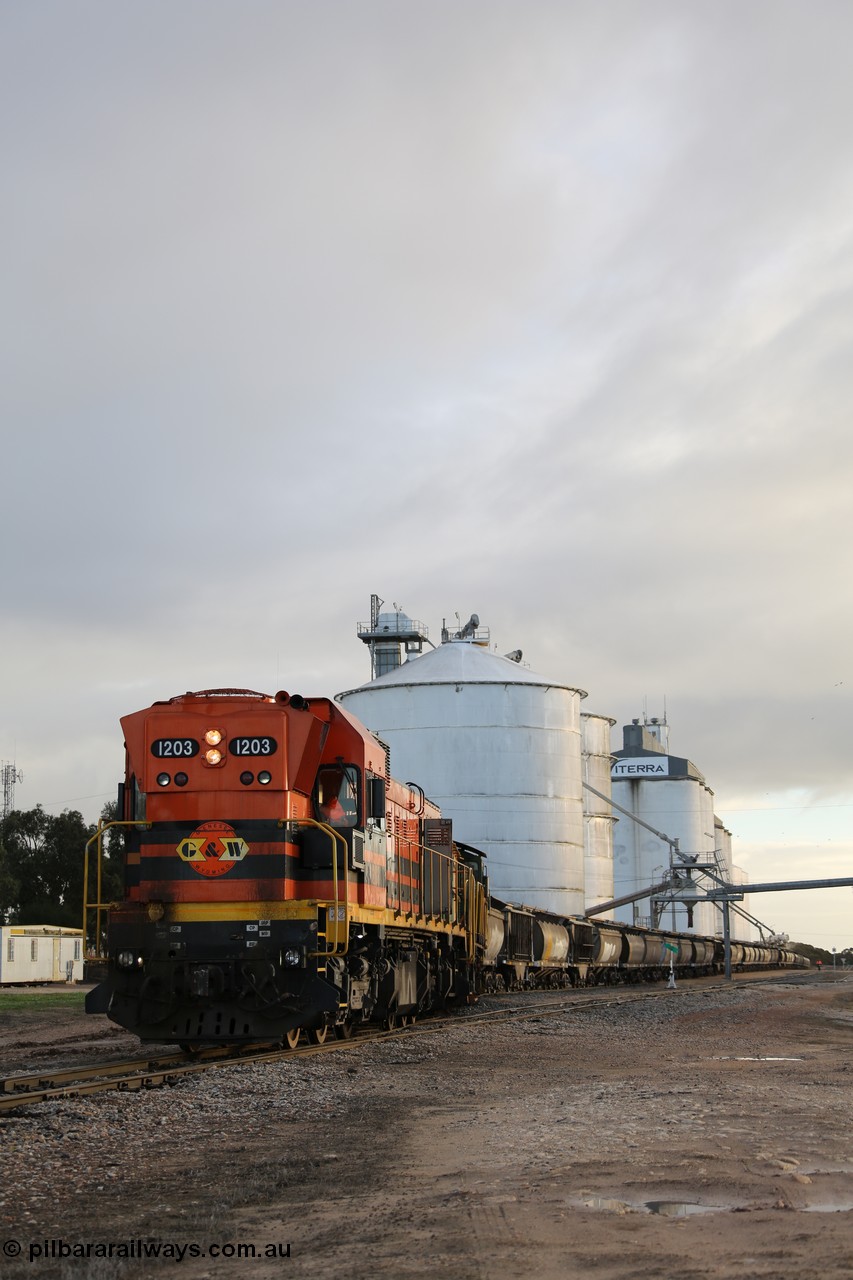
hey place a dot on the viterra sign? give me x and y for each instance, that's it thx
(641, 767)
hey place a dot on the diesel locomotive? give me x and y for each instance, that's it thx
(279, 880)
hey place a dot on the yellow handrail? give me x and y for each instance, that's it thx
(335, 949)
(99, 906)
(453, 907)
(465, 904)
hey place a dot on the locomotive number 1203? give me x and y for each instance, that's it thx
(252, 746)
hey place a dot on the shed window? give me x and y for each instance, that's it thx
(10, 949)
(34, 949)
(76, 949)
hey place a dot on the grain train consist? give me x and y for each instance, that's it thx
(278, 879)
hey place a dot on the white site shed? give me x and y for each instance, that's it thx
(40, 953)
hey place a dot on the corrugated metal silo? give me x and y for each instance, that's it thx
(683, 808)
(597, 814)
(741, 929)
(499, 749)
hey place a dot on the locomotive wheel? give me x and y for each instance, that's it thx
(318, 1035)
(390, 1022)
(290, 1039)
(344, 1030)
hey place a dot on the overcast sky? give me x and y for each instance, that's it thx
(539, 310)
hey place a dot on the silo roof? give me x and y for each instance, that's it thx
(461, 662)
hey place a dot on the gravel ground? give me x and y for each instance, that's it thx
(699, 1134)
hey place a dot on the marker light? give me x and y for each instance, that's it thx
(247, 778)
(213, 756)
(181, 779)
(264, 778)
(213, 737)
(163, 779)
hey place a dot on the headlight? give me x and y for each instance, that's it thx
(213, 756)
(126, 959)
(213, 737)
(292, 957)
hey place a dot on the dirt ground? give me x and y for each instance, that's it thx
(704, 1133)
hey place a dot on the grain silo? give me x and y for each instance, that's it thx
(498, 747)
(668, 793)
(598, 817)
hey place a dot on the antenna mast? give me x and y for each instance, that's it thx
(10, 775)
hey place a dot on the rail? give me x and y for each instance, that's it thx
(143, 1074)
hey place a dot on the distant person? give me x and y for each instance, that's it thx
(334, 812)
(337, 799)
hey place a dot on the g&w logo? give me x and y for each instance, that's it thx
(213, 848)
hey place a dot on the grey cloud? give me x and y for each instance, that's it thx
(538, 310)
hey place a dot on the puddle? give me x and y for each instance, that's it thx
(612, 1206)
(664, 1208)
(689, 1208)
(728, 1057)
(681, 1208)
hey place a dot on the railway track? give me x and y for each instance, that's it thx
(147, 1072)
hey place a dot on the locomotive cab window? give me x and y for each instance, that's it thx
(336, 795)
(137, 801)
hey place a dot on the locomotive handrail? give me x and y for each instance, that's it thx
(335, 949)
(475, 912)
(456, 909)
(433, 903)
(99, 906)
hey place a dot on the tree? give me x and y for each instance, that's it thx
(41, 867)
(811, 952)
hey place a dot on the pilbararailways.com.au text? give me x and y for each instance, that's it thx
(174, 1250)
